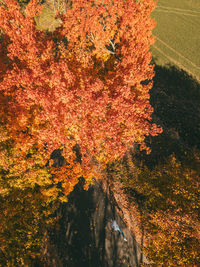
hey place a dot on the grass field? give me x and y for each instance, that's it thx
(178, 35)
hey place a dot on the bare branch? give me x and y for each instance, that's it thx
(113, 45)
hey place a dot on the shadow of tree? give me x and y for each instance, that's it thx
(73, 240)
(175, 98)
(83, 237)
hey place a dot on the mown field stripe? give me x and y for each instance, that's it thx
(177, 63)
(178, 9)
(172, 49)
(176, 12)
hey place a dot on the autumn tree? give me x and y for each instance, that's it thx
(167, 198)
(29, 191)
(90, 79)
(25, 217)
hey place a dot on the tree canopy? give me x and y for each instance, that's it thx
(87, 83)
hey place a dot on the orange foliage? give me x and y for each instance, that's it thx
(89, 82)
(68, 174)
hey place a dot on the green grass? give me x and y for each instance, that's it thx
(178, 35)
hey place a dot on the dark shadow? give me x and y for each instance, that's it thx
(72, 239)
(57, 157)
(175, 98)
(82, 236)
